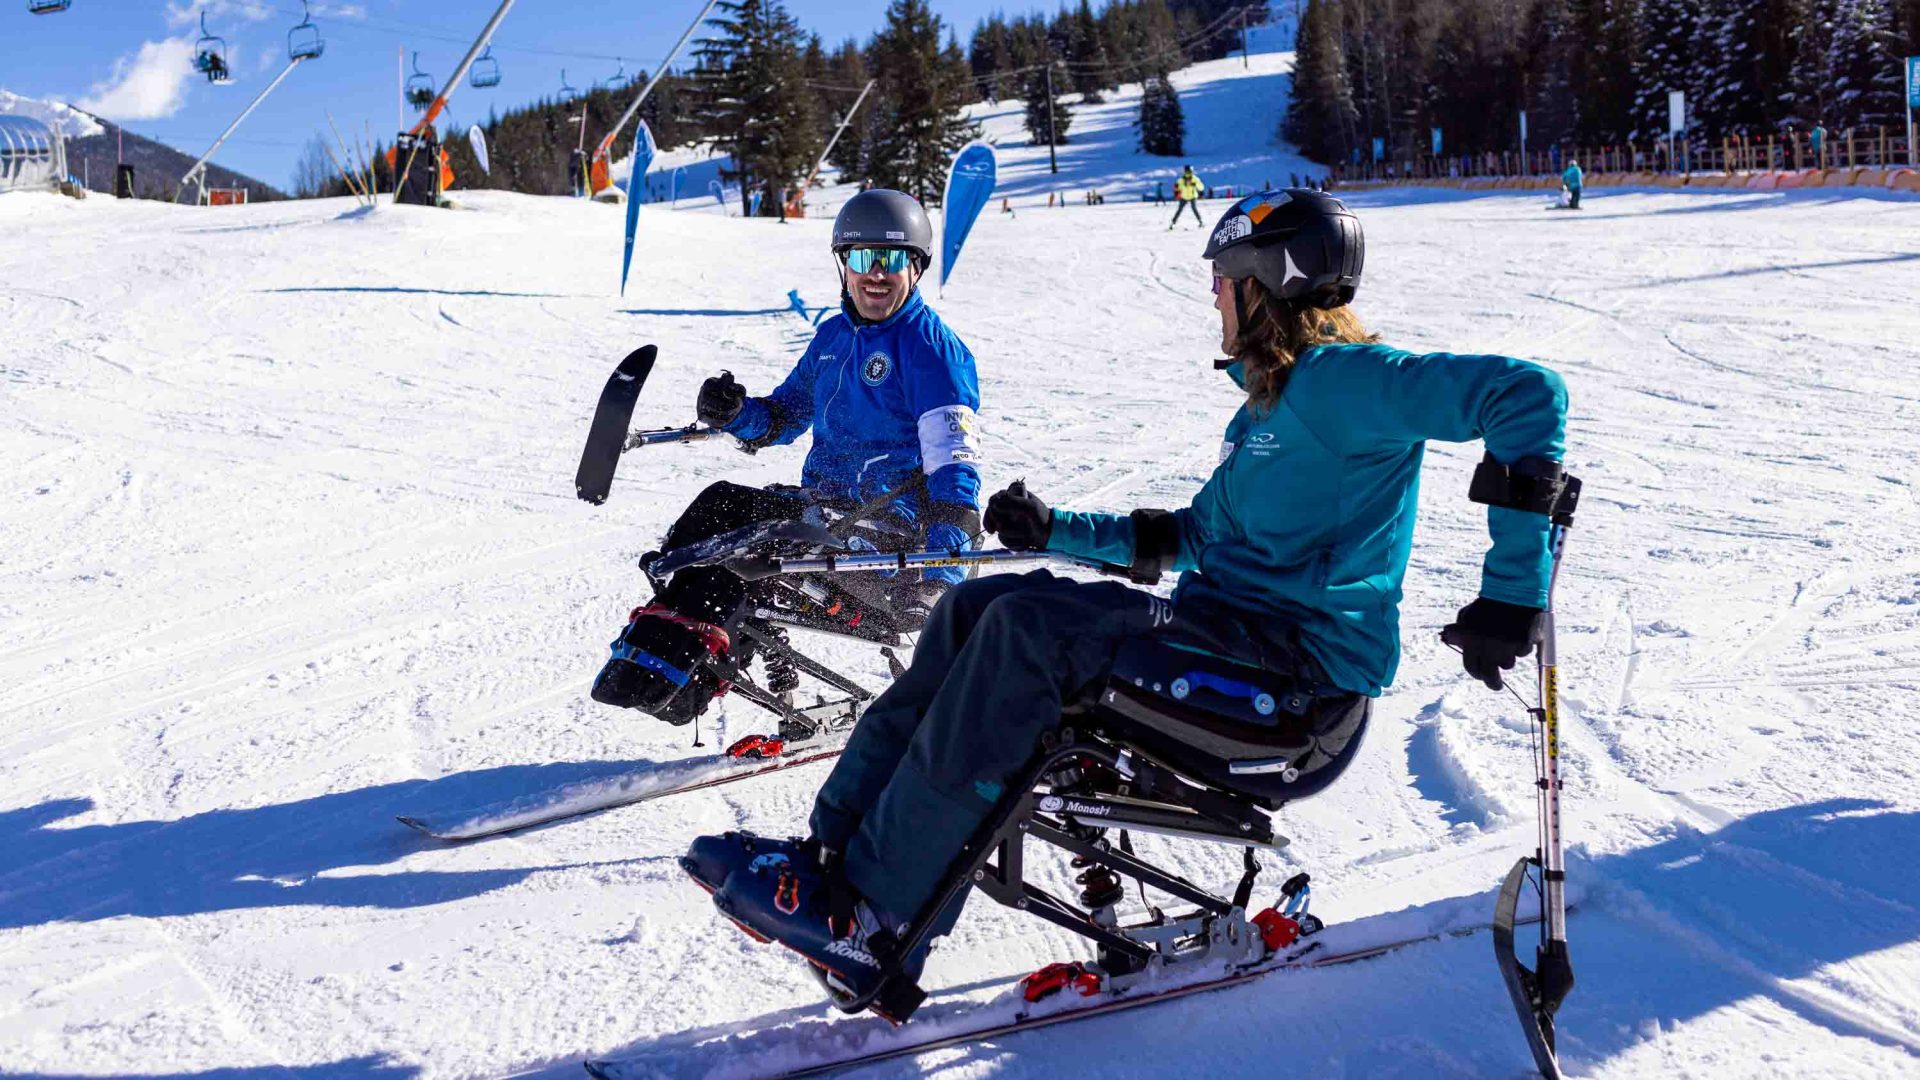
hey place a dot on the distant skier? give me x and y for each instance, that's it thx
(1294, 555)
(1572, 178)
(891, 396)
(1187, 188)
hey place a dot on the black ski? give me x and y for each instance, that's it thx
(607, 438)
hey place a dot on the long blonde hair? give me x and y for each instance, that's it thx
(1274, 334)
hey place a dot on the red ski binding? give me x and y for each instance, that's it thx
(1054, 978)
(1277, 930)
(758, 746)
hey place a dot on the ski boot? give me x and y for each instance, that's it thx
(711, 858)
(816, 913)
(660, 665)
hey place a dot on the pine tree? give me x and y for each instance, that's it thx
(1087, 55)
(1163, 129)
(1809, 94)
(754, 100)
(1869, 87)
(1665, 64)
(1553, 110)
(917, 122)
(1039, 118)
(1321, 118)
(847, 68)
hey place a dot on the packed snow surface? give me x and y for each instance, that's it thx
(1232, 109)
(291, 547)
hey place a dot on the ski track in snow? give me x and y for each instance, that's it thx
(293, 549)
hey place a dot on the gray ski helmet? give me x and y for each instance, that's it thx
(1300, 243)
(883, 217)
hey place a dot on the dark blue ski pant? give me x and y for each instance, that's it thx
(933, 754)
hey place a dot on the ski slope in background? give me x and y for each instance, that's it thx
(291, 547)
(1232, 107)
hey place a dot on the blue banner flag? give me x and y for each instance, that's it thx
(970, 181)
(1913, 82)
(719, 194)
(636, 179)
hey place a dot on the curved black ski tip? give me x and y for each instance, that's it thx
(607, 436)
(1523, 984)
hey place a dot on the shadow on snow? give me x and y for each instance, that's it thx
(264, 856)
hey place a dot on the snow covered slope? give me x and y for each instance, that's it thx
(291, 547)
(1232, 109)
(1233, 114)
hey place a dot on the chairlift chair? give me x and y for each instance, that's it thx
(419, 86)
(48, 7)
(486, 71)
(210, 55)
(303, 41)
(567, 93)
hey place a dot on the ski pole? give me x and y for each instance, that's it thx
(915, 560)
(690, 433)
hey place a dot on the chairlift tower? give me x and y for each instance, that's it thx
(198, 173)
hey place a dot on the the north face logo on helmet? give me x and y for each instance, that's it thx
(1233, 229)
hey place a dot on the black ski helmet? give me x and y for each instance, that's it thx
(1300, 243)
(885, 218)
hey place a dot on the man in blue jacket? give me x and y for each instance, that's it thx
(891, 397)
(1292, 557)
(1573, 177)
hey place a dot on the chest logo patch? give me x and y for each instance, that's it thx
(876, 369)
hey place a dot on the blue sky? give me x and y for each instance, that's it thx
(130, 60)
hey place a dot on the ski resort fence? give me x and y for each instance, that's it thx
(33, 156)
(1791, 152)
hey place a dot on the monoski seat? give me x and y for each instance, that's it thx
(1249, 730)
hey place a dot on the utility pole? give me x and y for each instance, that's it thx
(1053, 163)
(1244, 62)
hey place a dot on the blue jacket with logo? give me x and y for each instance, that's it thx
(882, 399)
(1308, 518)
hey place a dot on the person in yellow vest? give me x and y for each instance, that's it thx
(1187, 189)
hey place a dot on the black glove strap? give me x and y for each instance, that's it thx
(1534, 485)
(1156, 545)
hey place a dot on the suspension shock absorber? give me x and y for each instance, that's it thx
(782, 676)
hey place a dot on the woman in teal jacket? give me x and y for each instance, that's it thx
(1292, 554)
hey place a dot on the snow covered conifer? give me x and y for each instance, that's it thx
(1665, 63)
(1864, 58)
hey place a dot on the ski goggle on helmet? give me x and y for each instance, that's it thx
(862, 260)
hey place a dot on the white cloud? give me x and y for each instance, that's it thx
(188, 14)
(148, 85)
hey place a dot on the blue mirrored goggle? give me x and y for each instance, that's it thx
(861, 260)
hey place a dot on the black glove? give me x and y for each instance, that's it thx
(1491, 636)
(720, 400)
(1019, 518)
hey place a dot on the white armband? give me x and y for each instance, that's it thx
(949, 436)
